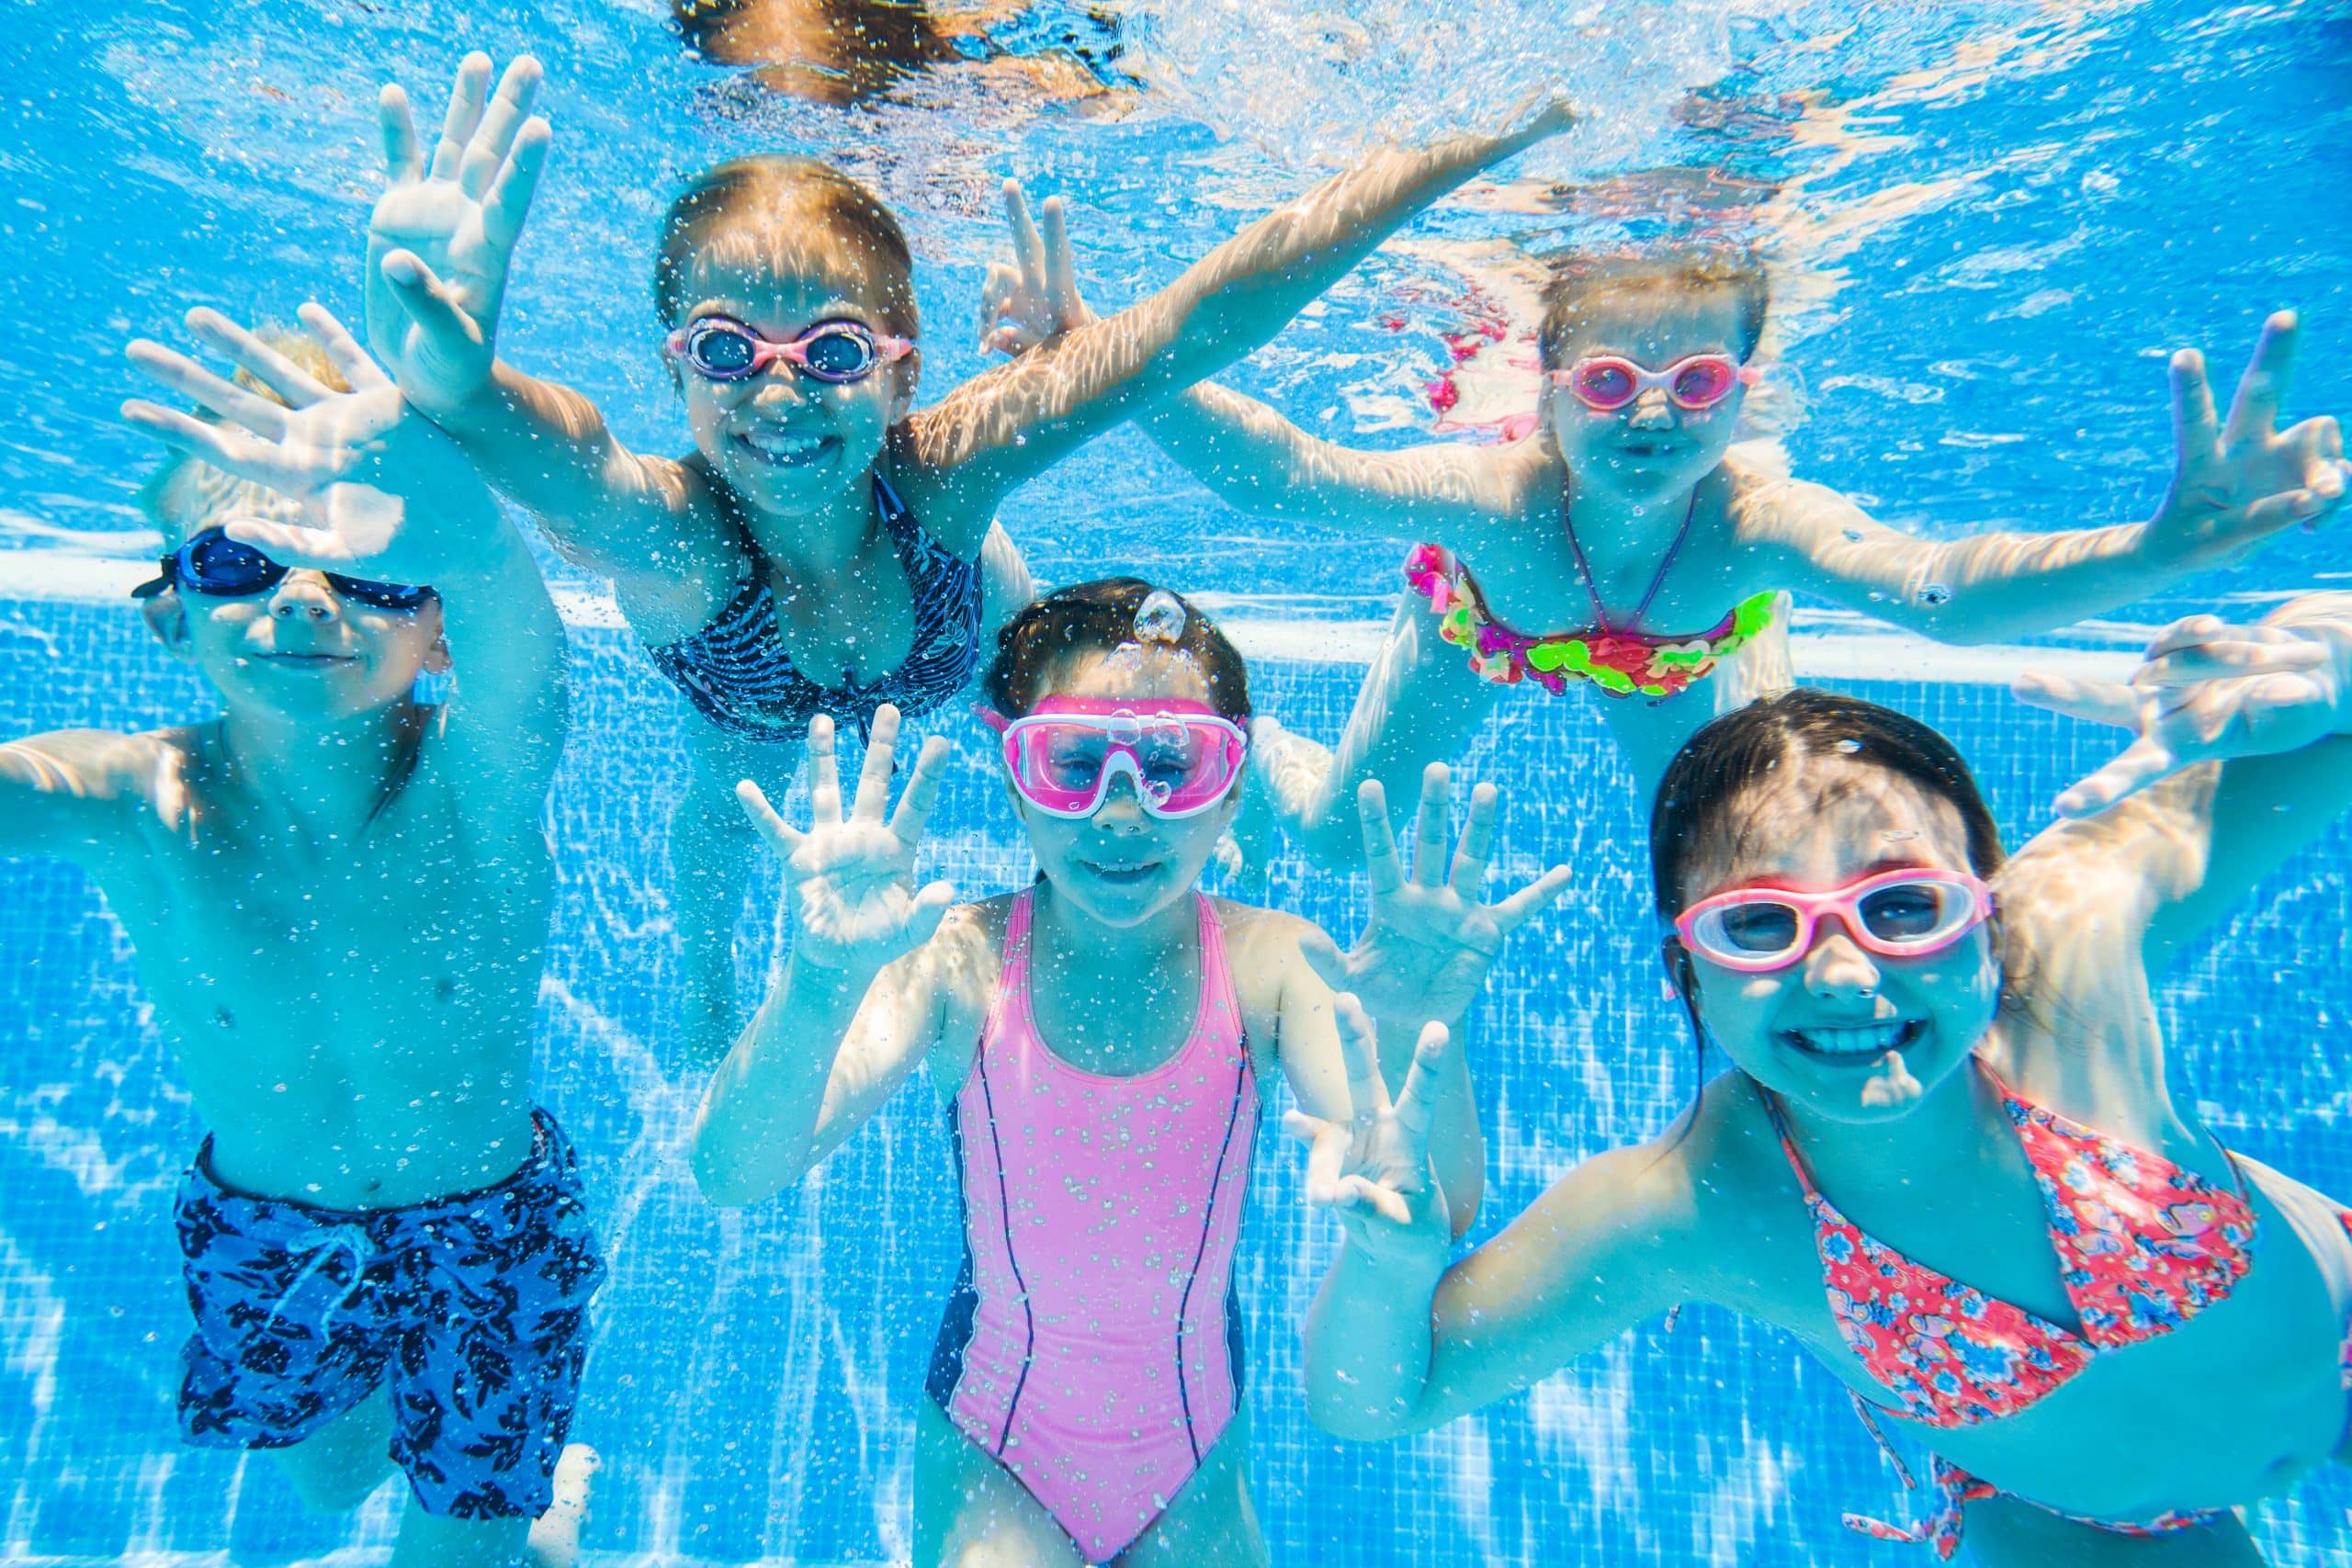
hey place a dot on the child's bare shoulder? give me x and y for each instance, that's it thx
(101, 765)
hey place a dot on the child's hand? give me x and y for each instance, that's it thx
(2208, 692)
(1429, 944)
(2236, 484)
(1036, 297)
(442, 235)
(852, 880)
(1374, 1172)
(381, 493)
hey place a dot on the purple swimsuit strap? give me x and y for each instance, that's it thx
(1602, 622)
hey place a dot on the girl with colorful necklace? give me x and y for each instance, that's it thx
(1946, 1158)
(1629, 520)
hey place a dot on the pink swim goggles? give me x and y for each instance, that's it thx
(1181, 756)
(720, 348)
(1909, 912)
(1607, 382)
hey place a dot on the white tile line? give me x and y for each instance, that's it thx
(1833, 651)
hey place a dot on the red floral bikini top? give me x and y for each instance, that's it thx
(2143, 1246)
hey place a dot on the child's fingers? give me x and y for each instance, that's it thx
(1327, 1148)
(824, 773)
(1380, 861)
(932, 904)
(2196, 430)
(183, 432)
(225, 398)
(1360, 1054)
(425, 300)
(2219, 660)
(874, 774)
(1429, 825)
(996, 292)
(1531, 900)
(297, 386)
(494, 138)
(2274, 513)
(1061, 280)
(466, 97)
(2099, 702)
(403, 161)
(1323, 956)
(360, 371)
(912, 818)
(1416, 1101)
(774, 828)
(1028, 249)
(509, 201)
(2253, 410)
(2142, 764)
(1477, 842)
(1359, 1194)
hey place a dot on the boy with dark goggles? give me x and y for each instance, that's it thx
(215, 565)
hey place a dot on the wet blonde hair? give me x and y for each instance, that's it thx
(785, 213)
(186, 495)
(1579, 282)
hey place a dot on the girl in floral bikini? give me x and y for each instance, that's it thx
(1941, 1061)
(1628, 519)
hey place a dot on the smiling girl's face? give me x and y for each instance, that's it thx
(1847, 1033)
(1652, 445)
(786, 441)
(1121, 865)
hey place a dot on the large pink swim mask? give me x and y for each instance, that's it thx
(1181, 756)
(1908, 912)
(1607, 382)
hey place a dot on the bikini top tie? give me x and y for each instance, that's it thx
(2143, 1247)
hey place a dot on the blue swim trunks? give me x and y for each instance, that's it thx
(474, 1308)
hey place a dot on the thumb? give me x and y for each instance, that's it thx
(427, 301)
(932, 904)
(772, 828)
(2143, 763)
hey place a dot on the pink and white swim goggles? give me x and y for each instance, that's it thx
(1181, 756)
(1607, 382)
(1908, 912)
(720, 348)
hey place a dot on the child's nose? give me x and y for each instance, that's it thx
(1652, 411)
(304, 594)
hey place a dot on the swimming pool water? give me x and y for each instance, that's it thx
(1998, 216)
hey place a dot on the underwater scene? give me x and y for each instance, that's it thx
(689, 870)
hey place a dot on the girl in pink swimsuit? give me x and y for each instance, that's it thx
(1102, 1041)
(1946, 1158)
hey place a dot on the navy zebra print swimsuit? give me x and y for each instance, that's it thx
(736, 671)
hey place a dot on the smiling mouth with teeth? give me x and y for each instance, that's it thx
(1865, 1042)
(779, 449)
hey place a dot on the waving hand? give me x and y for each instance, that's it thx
(1374, 1172)
(851, 879)
(442, 235)
(1429, 944)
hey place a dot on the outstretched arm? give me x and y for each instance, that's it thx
(999, 429)
(1246, 451)
(1397, 1342)
(68, 793)
(861, 999)
(2235, 487)
(2242, 756)
(440, 244)
(386, 496)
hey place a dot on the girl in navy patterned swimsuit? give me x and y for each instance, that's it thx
(825, 548)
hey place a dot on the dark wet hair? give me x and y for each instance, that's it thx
(1742, 749)
(784, 202)
(1579, 278)
(1090, 617)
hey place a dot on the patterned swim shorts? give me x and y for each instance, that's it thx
(473, 1307)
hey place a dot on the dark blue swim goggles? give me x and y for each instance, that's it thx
(215, 565)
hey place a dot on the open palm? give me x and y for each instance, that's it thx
(378, 491)
(442, 235)
(851, 879)
(1426, 952)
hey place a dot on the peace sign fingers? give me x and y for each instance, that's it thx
(2254, 410)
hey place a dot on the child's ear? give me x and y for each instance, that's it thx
(437, 658)
(167, 618)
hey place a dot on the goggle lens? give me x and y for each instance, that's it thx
(837, 354)
(722, 351)
(1698, 382)
(1604, 385)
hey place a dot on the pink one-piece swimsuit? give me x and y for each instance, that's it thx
(1091, 1345)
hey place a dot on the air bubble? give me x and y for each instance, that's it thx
(1934, 594)
(1853, 536)
(1159, 618)
(1896, 835)
(1849, 746)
